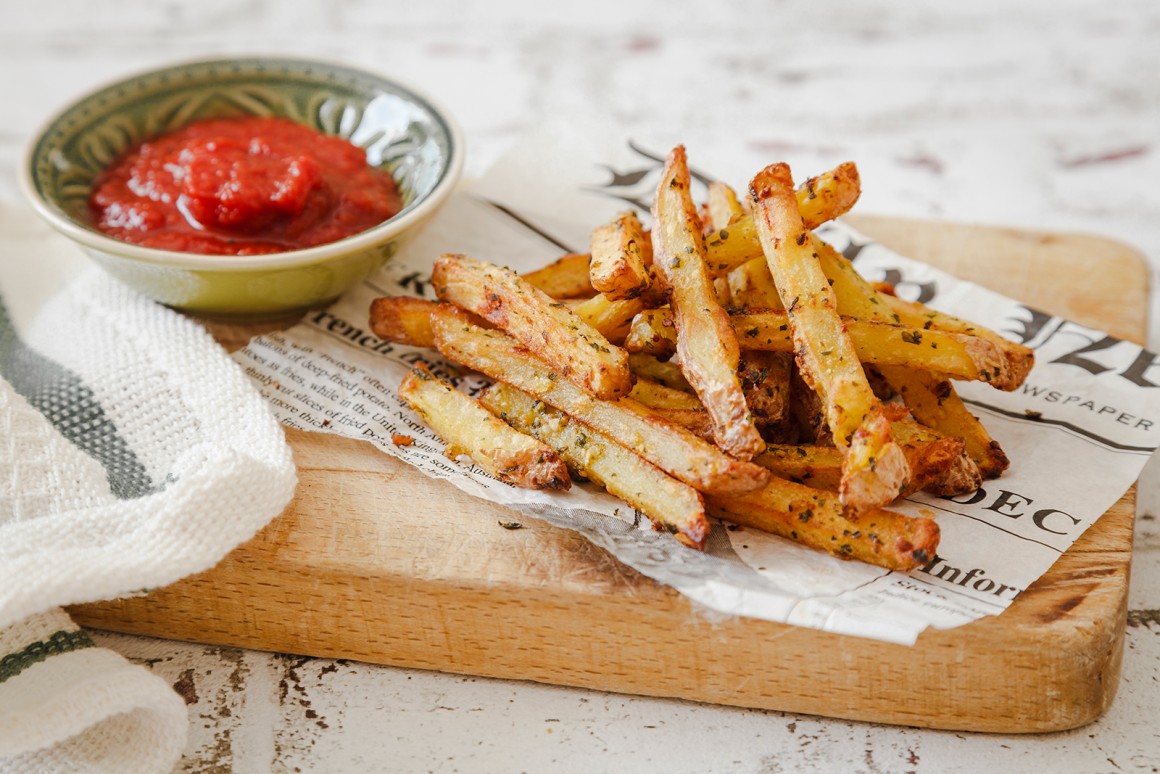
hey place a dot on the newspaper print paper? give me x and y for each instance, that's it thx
(1078, 432)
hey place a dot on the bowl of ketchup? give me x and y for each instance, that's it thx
(244, 188)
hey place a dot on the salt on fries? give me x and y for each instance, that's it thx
(726, 362)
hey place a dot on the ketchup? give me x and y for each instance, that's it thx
(241, 186)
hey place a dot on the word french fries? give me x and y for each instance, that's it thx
(469, 428)
(705, 342)
(761, 380)
(671, 505)
(549, 328)
(672, 449)
(875, 469)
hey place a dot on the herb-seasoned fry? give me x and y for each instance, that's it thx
(656, 395)
(672, 506)
(751, 286)
(959, 355)
(403, 320)
(666, 373)
(469, 428)
(723, 205)
(931, 457)
(819, 199)
(934, 402)
(618, 268)
(765, 379)
(549, 328)
(566, 277)
(875, 468)
(674, 450)
(706, 345)
(816, 519)
(931, 398)
(814, 374)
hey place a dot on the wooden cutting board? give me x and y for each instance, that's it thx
(374, 561)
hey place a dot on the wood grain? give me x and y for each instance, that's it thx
(374, 561)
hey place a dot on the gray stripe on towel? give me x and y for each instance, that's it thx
(72, 408)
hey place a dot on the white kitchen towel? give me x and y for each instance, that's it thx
(133, 452)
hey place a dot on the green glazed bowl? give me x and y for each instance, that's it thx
(402, 132)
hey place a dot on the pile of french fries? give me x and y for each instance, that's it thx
(730, 363)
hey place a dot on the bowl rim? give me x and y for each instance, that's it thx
(388, 229)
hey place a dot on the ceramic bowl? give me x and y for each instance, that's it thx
(403, 132)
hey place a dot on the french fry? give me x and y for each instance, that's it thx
(931, 398)
(959, 355)
(696, 421)
(723, 205)
(931, 457)
(1017, 359)
(875, 467)
(705, 341)
(655, 395)
(934, 402)
(671, 505)
(653, 332)
(549, 328)
(765, 380)
(610, 317)
(672, 449)
(566, 277)
(618, 269)
(666, 373)
(751, 285)
(403, 320)
(820, 199)
(469, 428)
(817, 519)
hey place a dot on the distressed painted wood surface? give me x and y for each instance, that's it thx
(375, 562)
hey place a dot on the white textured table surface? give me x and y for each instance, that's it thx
(1043, 115)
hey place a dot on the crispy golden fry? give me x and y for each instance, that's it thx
(765, 381)
(655, 395)
(469, 428)
(705, 341)
(958, 355)
(723, 205)
(672, 449)
(671, 505)
(549, 328)
(1007, 375)
(751, 286)
(820, 199)
(808, 414)
(696, 421)
(829, 195)
(816, 519)
(653, 332)
(566, 277)
(934, 403)
(403, 320)
(875, 467)
(931, 398)
(722, 292)
(931, 457)
(611, 318)
(666, 373)
(618, 269)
